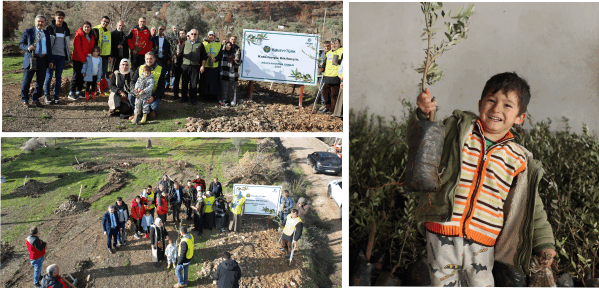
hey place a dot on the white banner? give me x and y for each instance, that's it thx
(279, 57)
(260, 199)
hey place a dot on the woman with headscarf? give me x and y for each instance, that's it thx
(229, 74)
(158, 237)
(120, 85)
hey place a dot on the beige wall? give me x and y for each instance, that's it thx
(554, 46)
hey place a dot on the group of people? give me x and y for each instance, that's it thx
(204, 205)
(330, 81)
(137, 66)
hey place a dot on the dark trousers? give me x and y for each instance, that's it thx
(330, 92)
(197, 223)
(176, 208)
(152, 210)
(40, 76)
(190, 73)
(58, 62)
(220, 222)
(121, 235)
(283, 217)
(112, 233)
(162, 62)
(176, 80)
(104, 66)
(285, 244)
(93, 85)
(137, 60)
(188, 210)
(209, 220)
(77, 80)
(137, 227)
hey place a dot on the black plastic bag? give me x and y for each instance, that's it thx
(424, 155)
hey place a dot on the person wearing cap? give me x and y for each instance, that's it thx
(286, 204)
(237, 208)
(37, 250)
(198, 210)
(189, 197)
(302, 208)
(210, 88)
(209, 200)
(110, 224)
(122, 210)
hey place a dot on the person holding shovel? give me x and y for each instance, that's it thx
(481, 168)
(291, 233)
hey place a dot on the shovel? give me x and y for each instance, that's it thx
(425, 145)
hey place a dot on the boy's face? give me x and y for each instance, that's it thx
(147, 74)
(96, 53)
(499, 112)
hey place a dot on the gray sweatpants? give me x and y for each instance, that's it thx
(452, 259)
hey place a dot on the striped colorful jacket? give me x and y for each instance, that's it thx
(484, 183)
(525, 226)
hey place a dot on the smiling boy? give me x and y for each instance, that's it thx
(487, 210)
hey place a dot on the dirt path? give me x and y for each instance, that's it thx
(327, 210)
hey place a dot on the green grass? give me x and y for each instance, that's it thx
(53, 165)
(13, 63)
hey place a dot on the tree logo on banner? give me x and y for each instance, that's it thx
(266, 49)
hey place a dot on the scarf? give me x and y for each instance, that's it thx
(121, 70)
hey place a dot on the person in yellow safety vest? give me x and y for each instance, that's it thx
(293, 224)
(159, 79)
(103, 36)
(149, 200)
(237, 209)
(208, 211)
(210, 78)
(330, 89)
(338, 112)
(184, 256)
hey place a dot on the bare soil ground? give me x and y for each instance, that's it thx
(273, 109)
(76, 242)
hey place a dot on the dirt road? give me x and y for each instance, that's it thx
(327, 210)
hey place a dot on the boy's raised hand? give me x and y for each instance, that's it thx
(426, 103)
(548, 254)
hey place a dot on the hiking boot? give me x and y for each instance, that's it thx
(48, 100)
(86, 95)
(93, 94)
(143, 119)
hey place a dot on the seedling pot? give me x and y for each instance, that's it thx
(424, 155)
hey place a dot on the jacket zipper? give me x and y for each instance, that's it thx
(526, 225)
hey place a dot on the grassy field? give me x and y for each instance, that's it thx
(53, 165)
(14, 63)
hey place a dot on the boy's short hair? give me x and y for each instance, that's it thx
(59, 13)
(506, 82)
(149, 186)
(119, 198)
(33, 230)
(227, 255)
(147, 68)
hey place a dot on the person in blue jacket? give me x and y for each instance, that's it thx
(286, 204)
(176, 198)
(111, 224)
(35, 42)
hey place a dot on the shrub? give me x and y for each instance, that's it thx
(569, 189)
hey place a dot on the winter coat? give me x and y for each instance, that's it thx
(287, 204)
(117, 82)
(173, 195)
(143, 39)
(53, 282)
(122, 211)
(87, 69)
(146, 222)
(118, 38)
(201, 183)
(216, 189)
(106, 221)
(525, 227)
(228, 274)
(166, 48)
(28, 38)
(229, 68)
(158, 234)
(67, 37)
(162, 205)
(36, 247)
(137, 211)
(181, 256)
(81, 46)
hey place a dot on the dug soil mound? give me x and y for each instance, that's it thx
(117, 176)
(92, 167)
(31, 189)
(254, 117)
(6, 252)
(71, 207)
(85, 165)
(11, 50)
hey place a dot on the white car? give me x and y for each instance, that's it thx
(336, 193)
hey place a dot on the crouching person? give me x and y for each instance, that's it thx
(53, 279)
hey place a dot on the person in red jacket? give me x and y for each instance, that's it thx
(139, 42)
(83, 43)
(199, 181)
(162, 205)
(37, 250)
(137, 212)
